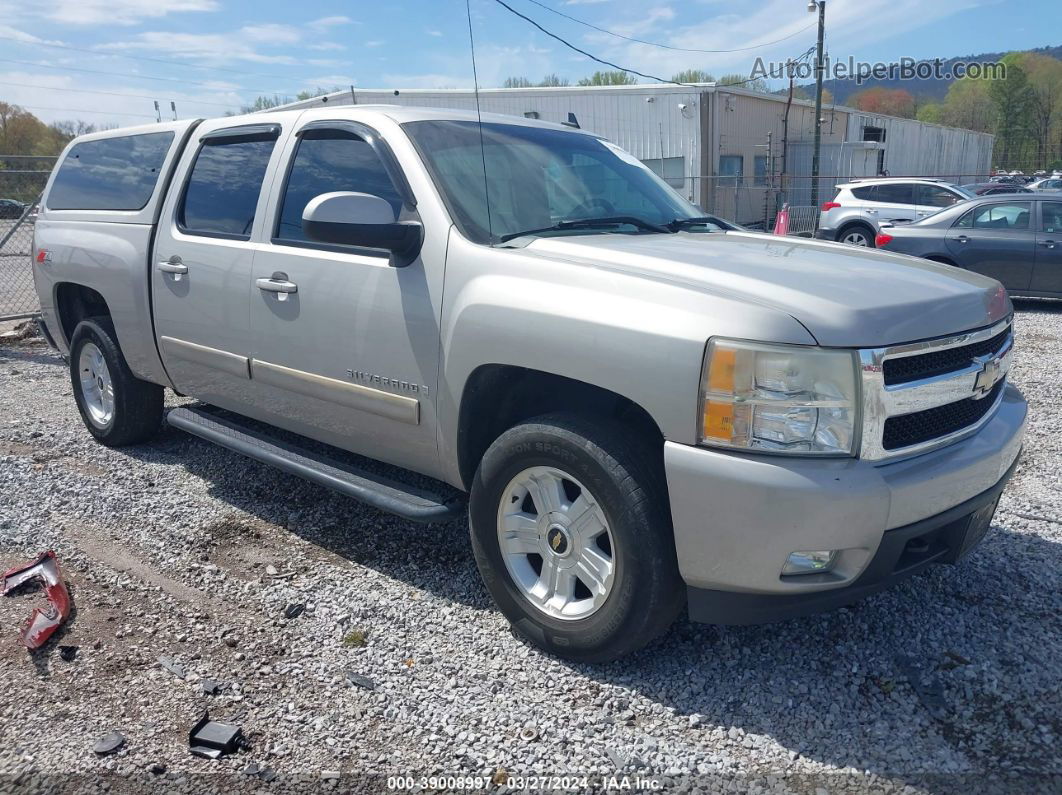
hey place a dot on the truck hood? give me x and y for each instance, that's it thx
(844, 296)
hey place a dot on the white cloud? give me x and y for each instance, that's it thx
(326, 46)
(435, 33)
(117, 12)
(375, 43)
(330, 22)
(270, 34)
(212, 48)
(8, 32)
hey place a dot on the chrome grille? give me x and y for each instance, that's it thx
(924, 395)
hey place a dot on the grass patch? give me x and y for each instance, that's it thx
(356, 638)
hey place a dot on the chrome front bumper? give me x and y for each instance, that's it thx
(737, 517)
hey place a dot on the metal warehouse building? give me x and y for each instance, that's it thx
(734, 152)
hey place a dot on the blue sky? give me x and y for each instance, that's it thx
(213, 55)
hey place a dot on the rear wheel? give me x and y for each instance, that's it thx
(856, 235)
(116, 406)
(571, 534)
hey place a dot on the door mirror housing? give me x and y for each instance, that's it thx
(361, 219)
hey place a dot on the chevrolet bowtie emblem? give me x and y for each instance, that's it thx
(987, 378)
(556, 541)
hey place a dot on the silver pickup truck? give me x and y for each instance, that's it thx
(647, 407)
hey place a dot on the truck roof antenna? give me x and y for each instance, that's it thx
(479, 118)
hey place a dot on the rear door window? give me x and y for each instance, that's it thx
(899, 193)
(935, 196)
(1052, 217)
(110, 173)
(222, 192)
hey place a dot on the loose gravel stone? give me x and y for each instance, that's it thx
(180, 549)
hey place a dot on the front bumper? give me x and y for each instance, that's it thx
(738, 517)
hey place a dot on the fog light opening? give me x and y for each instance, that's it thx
(809, 562)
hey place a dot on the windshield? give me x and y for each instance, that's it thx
(539, 178)
(969, 191)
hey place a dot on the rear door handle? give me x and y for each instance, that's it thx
(1047, 243)
(962, 239)
(277, 283)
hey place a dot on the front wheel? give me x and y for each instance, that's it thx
(117, 407)
(572, 536)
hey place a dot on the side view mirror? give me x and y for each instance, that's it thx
(361, 219)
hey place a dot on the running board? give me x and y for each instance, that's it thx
(406, 501)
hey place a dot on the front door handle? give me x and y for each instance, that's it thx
(962, 239)
(277, 283)
(174, 266)
(1047, 243)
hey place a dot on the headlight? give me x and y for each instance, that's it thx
(779, 398)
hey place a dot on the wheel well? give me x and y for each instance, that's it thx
(497, 397)
(74, 303)
(852, 224)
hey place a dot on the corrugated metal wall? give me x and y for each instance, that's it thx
(914, 148)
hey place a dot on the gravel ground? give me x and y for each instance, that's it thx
(949, 682)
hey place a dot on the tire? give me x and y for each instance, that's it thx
(133, 412)
(642, 592)
(853, 232)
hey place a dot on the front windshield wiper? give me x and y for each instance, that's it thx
(684, 223)
(590, 223)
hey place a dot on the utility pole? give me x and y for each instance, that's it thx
(820, 67)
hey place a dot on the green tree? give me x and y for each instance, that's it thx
(968, 105)
(693, 76)
(932, 112)
(1013, 100)
(1045, 85)
(612, 78)
(742, 81)
(553, 80)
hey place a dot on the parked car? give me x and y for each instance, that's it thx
(994, 188)
(1048, 183)
(644, 410)
(856, 213)
(1017, 241)
(11, 208)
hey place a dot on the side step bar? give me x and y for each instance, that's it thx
(388, 495)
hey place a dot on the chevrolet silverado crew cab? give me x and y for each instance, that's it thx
(647, 408)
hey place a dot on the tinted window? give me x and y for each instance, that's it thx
(1052, 213)
(327, 161)
(893, 194)
(731, 166)
(863, 193)
(537, 177)
(222, 191)
(935, 196)
(1002, 217)
(110, 173)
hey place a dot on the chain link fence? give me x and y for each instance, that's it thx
(22, 180)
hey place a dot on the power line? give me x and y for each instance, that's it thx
(571, 46)
(116, 94)
(666, 46)
(108, 53)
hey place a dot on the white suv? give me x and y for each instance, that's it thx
(856, 213)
